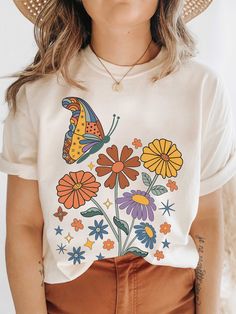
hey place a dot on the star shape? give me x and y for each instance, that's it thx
(58, 230)
(69, 237)
(166, 244)
(167, 208)
(91, 165)
(60, 213)
(89, 243)
(108, 203)
(61, 248)
(100, 256)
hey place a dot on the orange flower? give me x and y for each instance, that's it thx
(118, 167)
(165, 228)
(76, 188)
(159, 255)
(137, 143)
(172, 185)
(108, 244)
(77, 224)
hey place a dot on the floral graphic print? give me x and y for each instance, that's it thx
(104, 222)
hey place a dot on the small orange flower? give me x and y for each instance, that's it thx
(77, 224)
(76, 188)
(108, 244)
(165, 228)
(137, 143)
(159, 255)
(172, 185)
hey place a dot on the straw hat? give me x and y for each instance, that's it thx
(31, 8)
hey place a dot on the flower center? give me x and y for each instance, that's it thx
(77, 186)
(141, 199)
(76, 255)
(149, 232)
(118, 166)
(98, 229)
(165, 157)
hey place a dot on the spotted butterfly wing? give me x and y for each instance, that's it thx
(85, 131)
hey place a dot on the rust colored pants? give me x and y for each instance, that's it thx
(125, 285)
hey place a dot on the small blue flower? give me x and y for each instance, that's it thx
(146, 234)
(76, 255)
(98, 229)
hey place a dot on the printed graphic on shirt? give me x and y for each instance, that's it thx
(119, 167)
(85, 135)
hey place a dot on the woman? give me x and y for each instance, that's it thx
(116, 156)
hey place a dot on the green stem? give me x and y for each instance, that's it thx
(131, 241)
(107, 218)
(151, 185)
(127, 238)
(117, 214)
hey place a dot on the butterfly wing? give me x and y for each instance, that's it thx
(82, 122)
(92, 122)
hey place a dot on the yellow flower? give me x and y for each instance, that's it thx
(163, 157)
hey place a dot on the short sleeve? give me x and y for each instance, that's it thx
(218, 147)
(19, 149)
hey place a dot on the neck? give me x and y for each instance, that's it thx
(123, 46)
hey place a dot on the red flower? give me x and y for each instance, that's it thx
(60, 214)
(118, 167)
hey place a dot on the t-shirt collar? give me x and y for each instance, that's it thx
(120, 70)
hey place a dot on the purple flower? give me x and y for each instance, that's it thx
(137, 203)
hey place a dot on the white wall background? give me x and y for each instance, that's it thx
(214, 31)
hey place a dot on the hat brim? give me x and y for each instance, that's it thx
(31, 8)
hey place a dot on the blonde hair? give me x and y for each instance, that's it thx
(59, 36)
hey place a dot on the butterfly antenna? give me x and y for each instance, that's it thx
(113, 127)
(111, 124)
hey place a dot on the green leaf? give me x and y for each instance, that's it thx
(158, 190)
(146, 179)
(121, 224)
(136, 251)
(93, 211)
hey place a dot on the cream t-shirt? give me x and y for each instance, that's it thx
(121, 171)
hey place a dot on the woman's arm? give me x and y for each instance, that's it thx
(208, 233)
(24, 222)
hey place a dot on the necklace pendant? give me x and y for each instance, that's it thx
(117, 86)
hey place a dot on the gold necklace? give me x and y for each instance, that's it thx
(117, 86)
